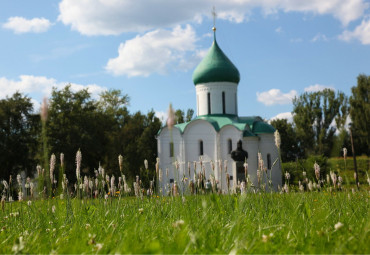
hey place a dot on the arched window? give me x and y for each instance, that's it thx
(223, 103)
(229, 146)
(200, 148)
(209, 102)
(268, 161)
(171, 149)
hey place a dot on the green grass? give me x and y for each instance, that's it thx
(297, 223)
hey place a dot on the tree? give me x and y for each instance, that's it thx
(189, 115)
(19, 129)
(314, 114)
(289, 146)
(74, 123)
(179, 116)
(360, 114)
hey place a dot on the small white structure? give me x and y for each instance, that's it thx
(214, 133)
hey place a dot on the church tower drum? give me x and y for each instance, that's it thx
(216, 81)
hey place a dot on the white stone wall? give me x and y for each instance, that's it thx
(215, 147)
(215, 89)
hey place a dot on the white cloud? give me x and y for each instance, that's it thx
(20, 25)
(112, 17)
(283, 115)
(37, 87)
(361, 33)
(279, 30)
(162, 116)
(275, 96)
(156, 52)
(319, 37)
(317, 87)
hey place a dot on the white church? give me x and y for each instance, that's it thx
(213, 135)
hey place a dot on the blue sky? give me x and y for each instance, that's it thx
(149, 49)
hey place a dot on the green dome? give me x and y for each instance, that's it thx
(215, 66)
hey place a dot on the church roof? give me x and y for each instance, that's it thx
(215, 67)
(251, 126)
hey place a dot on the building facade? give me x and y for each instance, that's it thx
(208, 140)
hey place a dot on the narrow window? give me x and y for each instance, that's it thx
(200, 148)
(268, 161)
(209, 102)
(236, 105)
(229, 146)
(223, 103)
(171, 149)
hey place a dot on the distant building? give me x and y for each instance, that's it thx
(216, 130)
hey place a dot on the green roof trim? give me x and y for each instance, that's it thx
(250, 126)
(215, 67)
(262, 127)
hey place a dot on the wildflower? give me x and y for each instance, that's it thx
(19, 180)
(171, 118)
(52, 167)
(309, 185)
(6, 186)
(178, 223)
(157, 165)
(98, 246)
(120, 162)
(286, 188)
(300, 186)
(78, 164)
(53, 209)
(29, 202)
(333, 178)
(20, 195)
(328, 179)
(87, 226)
(141, 210)
(39, 170)
(277, 139)
(62, 159)
(265, 238)
(146, 164)
(160, 175)
(44, 109)
(245, 167)
(317, 170)
(338, 225)
(19, 245)
(304, 173)
(345, 153)
(106, 196)
(287, 175)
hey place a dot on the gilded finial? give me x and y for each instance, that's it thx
(214, 14)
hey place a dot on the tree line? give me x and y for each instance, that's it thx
(104, 128)
(324, 121)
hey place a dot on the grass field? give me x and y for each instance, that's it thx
(310, 222)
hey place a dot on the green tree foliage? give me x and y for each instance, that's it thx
(313, 115)
(189, 115)
(360, 114)
(19, 129)
(289, 146)
(74, 123)
(179, 116)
